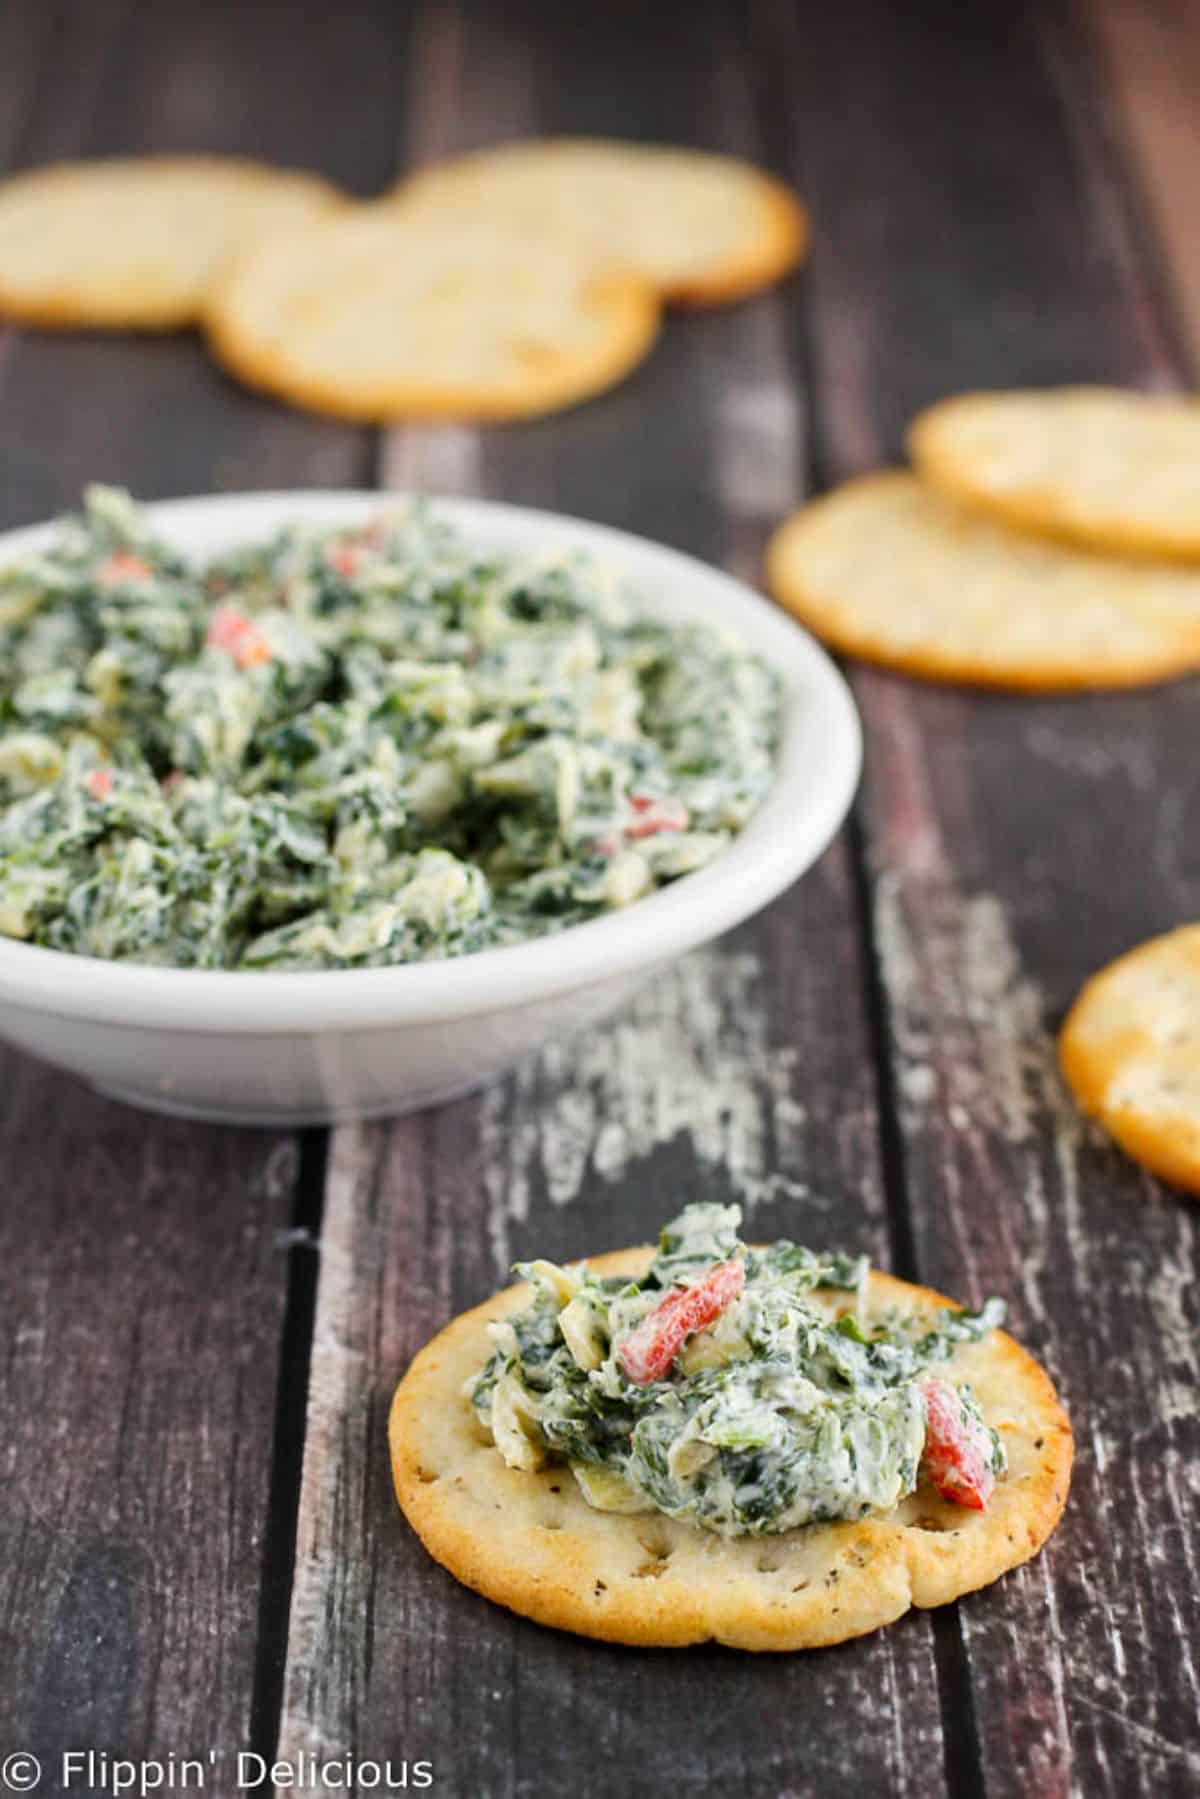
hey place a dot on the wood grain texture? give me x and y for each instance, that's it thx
(1151, 60)
(141, 1297)
(144, 1266)
(974, 225)
(1013, 846)
(704, 1088)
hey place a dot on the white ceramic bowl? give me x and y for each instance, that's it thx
(282, 1048)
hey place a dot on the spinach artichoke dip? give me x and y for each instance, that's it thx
(346, 748)
(735, 1388)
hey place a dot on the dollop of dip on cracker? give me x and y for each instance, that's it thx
(747, 1391)
(772, 1448)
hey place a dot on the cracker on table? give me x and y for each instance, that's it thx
(1130, 1050)
(134, 242)
(887, 569)
(1099, 466)
(702, 229)
(531, 1541)
(373, 316)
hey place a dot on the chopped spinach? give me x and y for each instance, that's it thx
(350, 747)
(798, 1404)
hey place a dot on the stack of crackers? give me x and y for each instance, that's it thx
(1042, 540)
(502, 284)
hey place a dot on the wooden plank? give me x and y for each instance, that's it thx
(1014, 846)
(709, 1086)
(186, 78)
(1151, 57)
(142, 1285)
(144, 1264)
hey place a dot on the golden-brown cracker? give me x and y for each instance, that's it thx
(1098, 466)
(532, 1542)
(373, 316)
(702, 229)
(134, 243)
(887, 569)
(1130, 1050)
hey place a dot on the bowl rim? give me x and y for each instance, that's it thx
(818, 767)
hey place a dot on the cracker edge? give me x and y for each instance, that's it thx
(815, 1622)
(634, 302)
(929, 664)
(781, 245)
(781, 249)
(65, 311)
(1142, 1140)
(1036, 515)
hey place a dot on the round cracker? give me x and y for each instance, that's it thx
(1130, 1050)
(531, 1541)
(1098, 466)
(134, 243)
(371, 316)
(702, 229)
(887, 569)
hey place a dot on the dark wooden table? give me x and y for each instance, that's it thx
(200, 1328)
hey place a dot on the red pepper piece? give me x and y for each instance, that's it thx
(651, 815)
(253, 650)
(957, 1456)
(229, 629)
(99, 783)
(649, 1350)
(226, 627)
(123, 565)
(344, 558)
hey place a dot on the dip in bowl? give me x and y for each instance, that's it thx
(273, 867)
